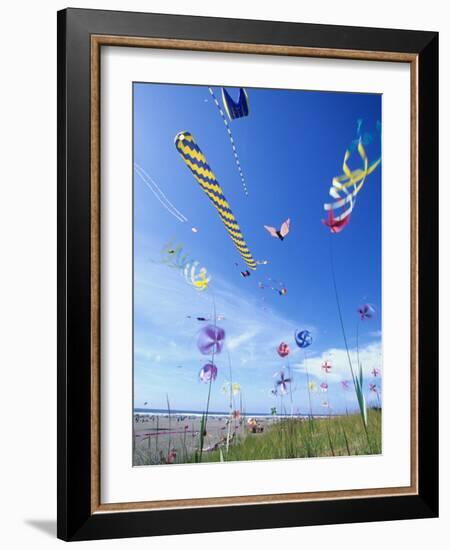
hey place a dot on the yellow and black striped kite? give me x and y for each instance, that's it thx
(195, 160)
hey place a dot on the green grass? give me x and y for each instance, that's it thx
(294, 438)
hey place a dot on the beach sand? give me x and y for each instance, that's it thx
(160, 439)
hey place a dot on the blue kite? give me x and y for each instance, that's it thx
(235, 109)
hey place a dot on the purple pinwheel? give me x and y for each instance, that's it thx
(210, 340)
(373, 388)
(345, 384)
(208, 373)
(282, 383)
(326, 366)
(323, 387)
(375, 372)
(366, 311)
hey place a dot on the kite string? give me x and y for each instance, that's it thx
(232, 143)
(156, 190)
(343, 331)
(338, 304)
(147, 178)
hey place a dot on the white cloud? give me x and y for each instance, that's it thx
(164, 300)
(370, 356)
(165, 338)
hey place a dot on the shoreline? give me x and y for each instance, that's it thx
(219, 414)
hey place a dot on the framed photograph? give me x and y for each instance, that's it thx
(248, 301)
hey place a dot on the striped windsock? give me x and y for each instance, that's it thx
(195, 160)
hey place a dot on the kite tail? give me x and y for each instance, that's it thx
(230, 136)
(156, 190)
(195, 160)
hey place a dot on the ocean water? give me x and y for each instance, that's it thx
(179, 412)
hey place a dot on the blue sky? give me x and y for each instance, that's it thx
(290, 147)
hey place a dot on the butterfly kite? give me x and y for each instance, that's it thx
(282, 232)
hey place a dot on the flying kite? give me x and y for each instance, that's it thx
(245, 273)
(345, 188)
(175, 257)
(274, 285)
(236, 109)
(366, 311)
(282, 232)
(230, 135)
(198, 318)
(197, 163)
(196, 277)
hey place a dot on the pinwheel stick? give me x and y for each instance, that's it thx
(205, 416)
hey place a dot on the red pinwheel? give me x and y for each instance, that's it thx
(171, 456)
(283, 349)
(326, 367)
(375, 372)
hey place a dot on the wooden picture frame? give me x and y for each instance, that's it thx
(81, 35)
